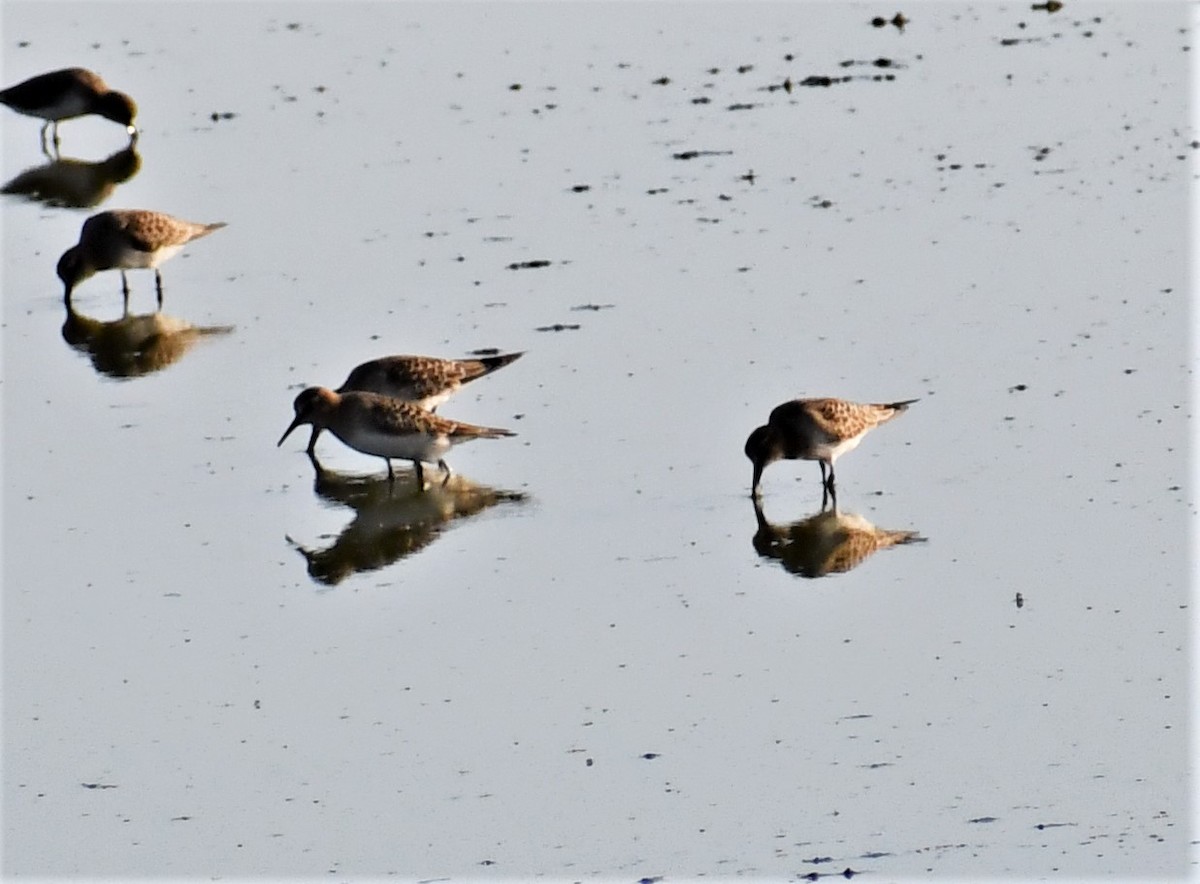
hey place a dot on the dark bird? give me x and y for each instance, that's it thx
(815, 429)
(66, 94)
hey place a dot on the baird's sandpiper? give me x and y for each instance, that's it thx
(815, 429)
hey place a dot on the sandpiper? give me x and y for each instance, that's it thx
(127, 239)
(425, 381)
(63, 95)
(815, 429)
(386, 427)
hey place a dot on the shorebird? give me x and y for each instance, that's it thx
(127, 239)
(425, 381)
(815, 429)
(386, 427)
(63, 95)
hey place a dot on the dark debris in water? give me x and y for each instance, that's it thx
(983, 819)
(558, 326)
(593, 306)
(696, 154)
(528, 265)
(222, 115)
(876, 63)
(898, 21)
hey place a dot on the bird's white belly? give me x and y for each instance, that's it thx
(832, 452)
(134, 259)
(429, 403)
(409, 446)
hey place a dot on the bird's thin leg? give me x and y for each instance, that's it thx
(312, 458)
(312, 442)
(158, 286)
(54, 129)
(391, 475)
(420, 471)
(125, 291)
(445, 468)
(45, 149)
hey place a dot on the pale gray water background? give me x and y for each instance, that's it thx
(605, 680)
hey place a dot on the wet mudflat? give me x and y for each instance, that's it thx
(591, 655)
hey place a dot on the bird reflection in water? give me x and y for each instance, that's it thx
(392, 519)
(829, 542)
(76, 184)
(134, 345)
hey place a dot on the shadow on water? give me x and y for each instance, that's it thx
(134, 345)
(828, 542)
(75, 184)
(392, 520)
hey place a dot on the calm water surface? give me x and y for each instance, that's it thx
(589, 656)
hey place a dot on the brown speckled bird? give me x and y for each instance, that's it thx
(127, 239)
(815, 429)
(425, 381)
(386, 427)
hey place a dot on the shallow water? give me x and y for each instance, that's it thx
(588, 657)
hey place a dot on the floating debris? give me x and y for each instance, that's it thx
(875, 63)
(694, 154)
(558, 326)
(593, 306)
(528, 265)
(898, 21)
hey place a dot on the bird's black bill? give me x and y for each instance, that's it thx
(288, 431)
